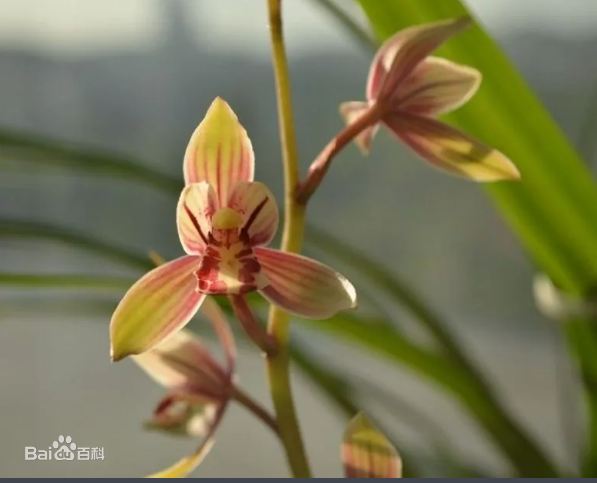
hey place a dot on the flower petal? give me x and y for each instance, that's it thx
(219, 151)
(367, 453)
(401, 53)
(186, 465)
(451, 149)
(437, 86)
(258, 207)
(155, 307)
(196, 206)
(183, 414)
(181, 361)
(304, 286)
(351, 111)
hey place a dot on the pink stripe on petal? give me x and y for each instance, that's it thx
(257, 205)
(219, 152)
(155, 307)
(403, 52)
(367, 453)
(304, 286)
(437, 86)
(350, 112)
(196, 206)
(450, 149)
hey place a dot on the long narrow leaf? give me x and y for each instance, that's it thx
(31, 149)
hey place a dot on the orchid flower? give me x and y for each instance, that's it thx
(199, 387)
(224, 221)
(367, 452)
(407, 89)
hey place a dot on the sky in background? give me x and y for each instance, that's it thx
(75, 27)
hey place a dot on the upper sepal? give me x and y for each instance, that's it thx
(219, 152)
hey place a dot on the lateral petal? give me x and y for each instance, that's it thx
(304, 286)
(259, 210)
(451, 149)
(437, 86)
(196, 206)
(155, 307)
(219, 152)
(403, 52)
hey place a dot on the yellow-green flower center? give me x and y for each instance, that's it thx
(226, 219)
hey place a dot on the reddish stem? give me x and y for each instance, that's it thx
(322, 162)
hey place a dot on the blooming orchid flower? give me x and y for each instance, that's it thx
(224, 221)
(407, 89)
(367, 453)
(199, 386)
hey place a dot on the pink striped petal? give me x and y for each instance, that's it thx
(259, 210)
(351, 111)
(182, 361)
(219, 152)
(401, 53)
(303, 286)
(367, 453)
(196, 206)
(155, 307)
(437, 86)
(450, 149)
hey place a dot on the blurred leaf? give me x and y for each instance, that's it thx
(30, 149)
(36, 231)
(381, 339)
(348, 23)
(64, 281)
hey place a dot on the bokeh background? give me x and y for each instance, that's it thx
(136, 77)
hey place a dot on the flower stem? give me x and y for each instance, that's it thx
(294, 225)
(322, 162)
(254, 407)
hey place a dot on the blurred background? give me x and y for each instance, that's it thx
(135, 78)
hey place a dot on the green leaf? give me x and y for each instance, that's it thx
(34, 150)
(63, 282)
(383, 340)
(43, 231)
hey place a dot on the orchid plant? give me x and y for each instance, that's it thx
(225, 219)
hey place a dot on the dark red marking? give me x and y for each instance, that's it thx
(254, 215)
(195, 223)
